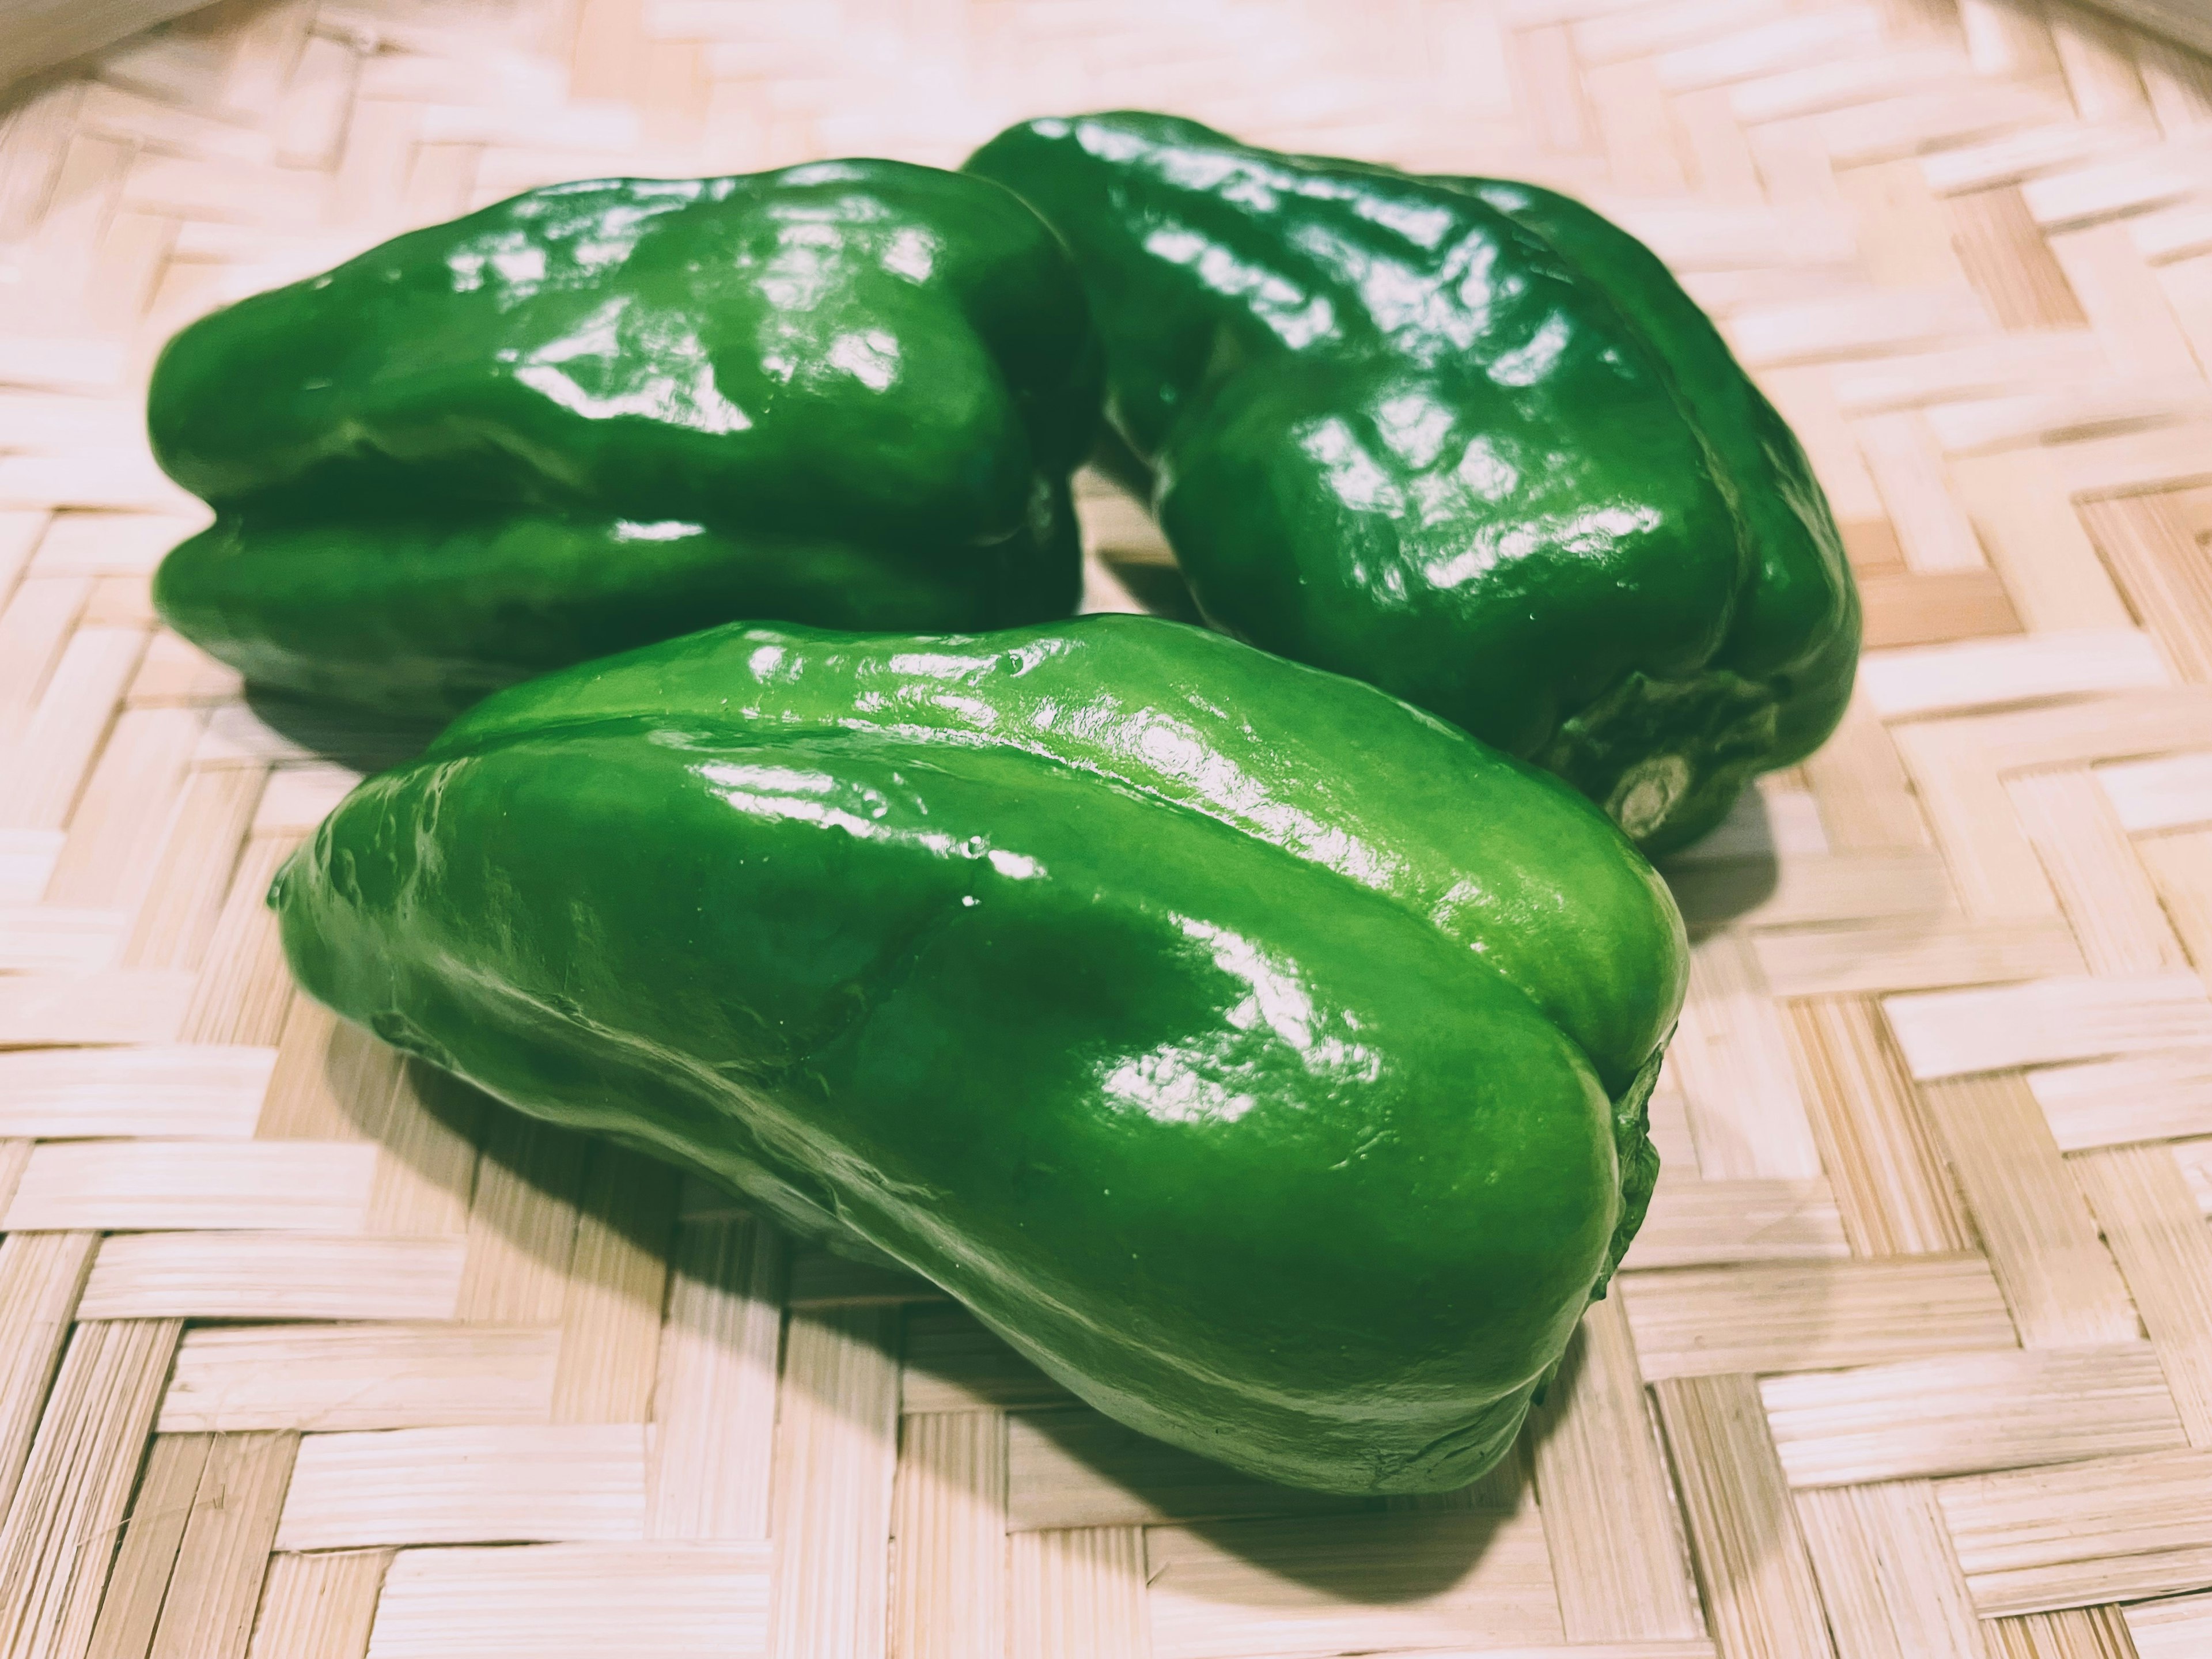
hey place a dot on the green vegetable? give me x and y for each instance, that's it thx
(603, 414)
(1262, 1057)
(1463, 438)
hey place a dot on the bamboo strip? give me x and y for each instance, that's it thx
(209, 1611)
(1968, 1413)
(2160, 1097)
(324, 1377)
(2157, 1235)
(146, 1556)
(1079, 1595)
(1610, 1521)
(2117, 1528)
(288, 1276)
(1076, 1468)
(1760, 1594)
(1894, 1195)
(835, 1452)
(574, 1483)
(575, 1601)
(41, 1275)
(1716, 1322)
(58, 1538)
(291, 1186)
(319, 1607)
(948, 1568)
(2041, 1241)
(715, 1406)
(1888, 1578)
(154, 1091)
(611, 1324)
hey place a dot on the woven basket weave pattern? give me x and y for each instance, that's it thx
(306, 1353)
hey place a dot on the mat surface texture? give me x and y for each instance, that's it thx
(306, 1354)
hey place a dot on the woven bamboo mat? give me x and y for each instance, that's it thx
(305, 1353)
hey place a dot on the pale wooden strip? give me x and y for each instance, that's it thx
(836, 1451)
(1938, 679)
(2040, 1239)
(1947, 1033)
(1932, 529)
(2067, 1633)
(299, 1186)
(1969, 1413)
(714, 1401)
(174, 670)
(575, 1601)
(245, 986)
(299, 798)
(2178, 1629)
(2117, 1529)
(1760, 1594)
(326, 1377)
(53, 752)
(1866, 802)
(572, 1483)
(1913, 955)
(1711, 1321)
(948, 1566)
(14, 1155)
(49, 938)
(1610, 1522)
(59, 1535)
(332, 1081)
(1893, 1192)
(1256, 1588)
(2180, 867)
(953, 1363)
(1698, 1223)
(27, 858)
(35, 626)
(319, 1607)
(115, 838)
(522, 1225)
(1731, 1061)
(185, 899)
(2025, 517)
(1841, 887)
(2195, 1159)
(146, 1556)
(821, 1278)
(41, 1275)
(1887, 1576)
(2147, 542)
(2173, 792)
(2102, 884)
(2157, 1235)
(208, 1610)
(154, 1092)
(426, 1172)
(1859, 325)
(99, 544)
(611, 1325)
(1078, 1594)
(115, 1007)
(2012, 363)
(2111, 1102)
(1075, 1468)
(1905, 610)
(2059, 415)
(349, 1276)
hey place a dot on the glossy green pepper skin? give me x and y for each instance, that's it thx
(1263, 1058)
(604, 414)
(1463, 438)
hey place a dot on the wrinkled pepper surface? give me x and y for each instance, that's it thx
(606, 413)
(1463, 438)
(1263, 1058)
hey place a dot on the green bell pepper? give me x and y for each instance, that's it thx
(1463, 438)
(1263, 1058)
(606, 413)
